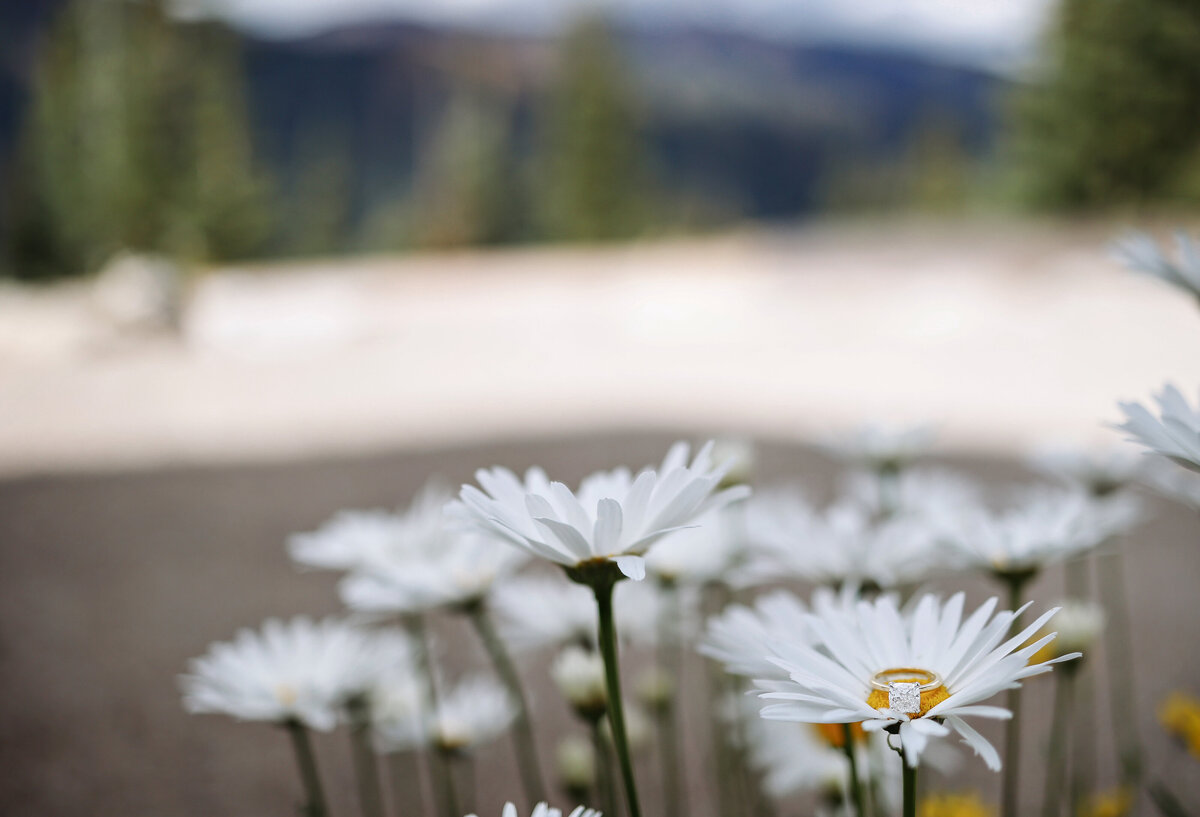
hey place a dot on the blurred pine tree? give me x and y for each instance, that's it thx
(1115, 117)
(137, 139)
(592, 187)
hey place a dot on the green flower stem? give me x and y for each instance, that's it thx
(669, 736)
(314, 805)
(444, 771)
(606, 780)
(523, 739)
(404, 773)
(909, 775)
(439, 772)
(366, 769)
(1012, 738)
(1056, 763)
(1119, 654)
(603, 589)
(856, 789)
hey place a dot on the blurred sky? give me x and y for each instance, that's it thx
(994, 33)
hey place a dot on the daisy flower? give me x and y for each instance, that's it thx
(537, 611)
(788, 538)
(883, 449)
(1141, 253)
(297, 670)
(740, 637)
(399, 709)
(542, 810)
(1174, 483)
(579, 675)
(1099, 471)
(476, 711)
(698, 555)
(1045, 525)
(348, 538)
(614, 516)
(935, 670)
(1175, 434)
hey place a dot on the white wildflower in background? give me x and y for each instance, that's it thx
(740, 637)
(1098, 470)
(929, 494)
(884, 449)
(399, 710)
(831, 681)
(1175, 434)
(1079, 624)
(579, 675)
(347, 539)
(613, 517)
(1141, 253)
(787, 538)
(475, 711)
(295, 670)
(1046, 524)
(738, 456)
(460, 570)
(698, 555)
(536, 611)
(542, 810)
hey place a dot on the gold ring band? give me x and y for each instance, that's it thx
(912, 675)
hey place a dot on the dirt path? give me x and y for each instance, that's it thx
(1004, 333)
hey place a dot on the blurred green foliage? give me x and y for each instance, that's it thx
(1114, 119)
(137, 140)
(593, 164)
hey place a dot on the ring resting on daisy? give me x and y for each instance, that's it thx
(835, 673)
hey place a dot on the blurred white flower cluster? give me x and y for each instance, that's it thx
(811, 611)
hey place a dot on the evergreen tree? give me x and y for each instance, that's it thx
(1116, 116)
(593, 164)
(137, 139)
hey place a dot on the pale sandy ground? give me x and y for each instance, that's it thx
(1004, 334)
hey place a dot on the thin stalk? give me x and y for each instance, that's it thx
(314, 796)
(366, 769)
(445, 773)
(1056, 763)
(612, 677)
(1165, 800)
(669, 737)
(1084, 756)
(523, 740)
(715, 597)
(437, 771)
(856, 789)
(1012, 738)
(1119, 655)
(606, 780)
(468, 782)
(909, 775)
(404, 778)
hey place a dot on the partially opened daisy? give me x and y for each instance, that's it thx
(614, 516)
(917, 677)
(1175, 434)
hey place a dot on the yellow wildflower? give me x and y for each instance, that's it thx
(1180, 716)
(954, 805)
(1112, 803)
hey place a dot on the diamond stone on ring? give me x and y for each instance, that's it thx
(904, 686)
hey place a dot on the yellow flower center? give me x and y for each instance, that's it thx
(286, 695)
(835, 733)
(878, 699)
(1112, 803)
